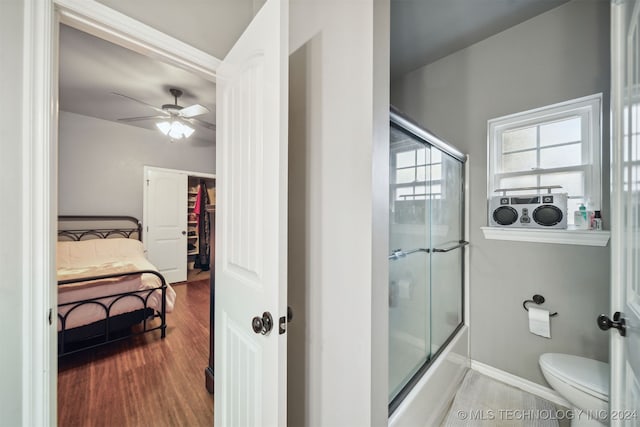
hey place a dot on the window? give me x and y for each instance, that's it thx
(554, 145)
(418, 174)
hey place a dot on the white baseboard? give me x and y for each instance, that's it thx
(519, 382)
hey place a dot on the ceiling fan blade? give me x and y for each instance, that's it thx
(193, 110)
(137, 119)
(201, 123)
(160, 110)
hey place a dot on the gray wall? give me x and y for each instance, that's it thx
(11, 261)
(556, 56)
(212, 26)
(101, 164)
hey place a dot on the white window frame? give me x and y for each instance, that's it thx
(588, 107)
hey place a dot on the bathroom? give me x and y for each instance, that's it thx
(560, 52)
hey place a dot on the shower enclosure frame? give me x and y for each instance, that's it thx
(426, 137)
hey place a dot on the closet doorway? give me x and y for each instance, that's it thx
(178, 230)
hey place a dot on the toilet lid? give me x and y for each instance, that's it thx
(587, 375)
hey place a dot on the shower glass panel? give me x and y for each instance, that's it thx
(426, 251)
(446, 267)
(409, 269)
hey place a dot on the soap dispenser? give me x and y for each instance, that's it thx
(580, 217)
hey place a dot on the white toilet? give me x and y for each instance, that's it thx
(583, 382)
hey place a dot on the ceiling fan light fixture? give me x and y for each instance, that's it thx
(164, 127)
(174, 117)
(187, 130)
(175, 129)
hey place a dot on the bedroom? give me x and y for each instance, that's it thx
(103, 166)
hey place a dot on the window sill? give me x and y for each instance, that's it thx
(563, 237)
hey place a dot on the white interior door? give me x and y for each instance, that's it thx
(625, 207)
(165, 222)
(251, 224)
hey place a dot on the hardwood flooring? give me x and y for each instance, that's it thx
(197, 274)
(145, 380)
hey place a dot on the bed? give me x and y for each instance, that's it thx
(107, 289)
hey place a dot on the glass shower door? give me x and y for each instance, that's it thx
(447, 235)
(426, 251)
(409, 314)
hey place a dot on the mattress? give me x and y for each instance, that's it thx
(90, 258)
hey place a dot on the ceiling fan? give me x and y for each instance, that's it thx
(173, 118)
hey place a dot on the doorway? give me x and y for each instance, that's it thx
(268, 173)
(114, 376)
(185, 254)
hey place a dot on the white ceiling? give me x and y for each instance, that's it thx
(212, 26)
(91, 69)
(423, 31)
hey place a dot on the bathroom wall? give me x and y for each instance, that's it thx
(556, 56)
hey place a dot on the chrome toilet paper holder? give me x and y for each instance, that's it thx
(537, 299)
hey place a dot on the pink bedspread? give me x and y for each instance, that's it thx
(105, 256)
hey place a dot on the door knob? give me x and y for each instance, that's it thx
(184, 232)
(618, 322)
(262, 325)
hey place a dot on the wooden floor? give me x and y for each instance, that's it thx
(145, 380)
(197, 274)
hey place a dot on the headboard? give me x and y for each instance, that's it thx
(85, 227)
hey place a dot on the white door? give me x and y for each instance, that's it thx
(165, 222)
(251, 224)
(625, 207)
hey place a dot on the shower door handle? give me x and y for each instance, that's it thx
(460, 244)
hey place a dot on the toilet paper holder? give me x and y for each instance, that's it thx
(537, 299)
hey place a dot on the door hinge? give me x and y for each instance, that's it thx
(50, 316)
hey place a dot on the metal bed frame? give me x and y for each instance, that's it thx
(111, 328)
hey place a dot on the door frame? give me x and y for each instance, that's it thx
(145, 198)
(145, 212)
(39, 170)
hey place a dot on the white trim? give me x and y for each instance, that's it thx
(563, 237)
(184, 172)
(619, 15)
(520, 383)
(546, 110)
(39, 352)
(108, 24)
